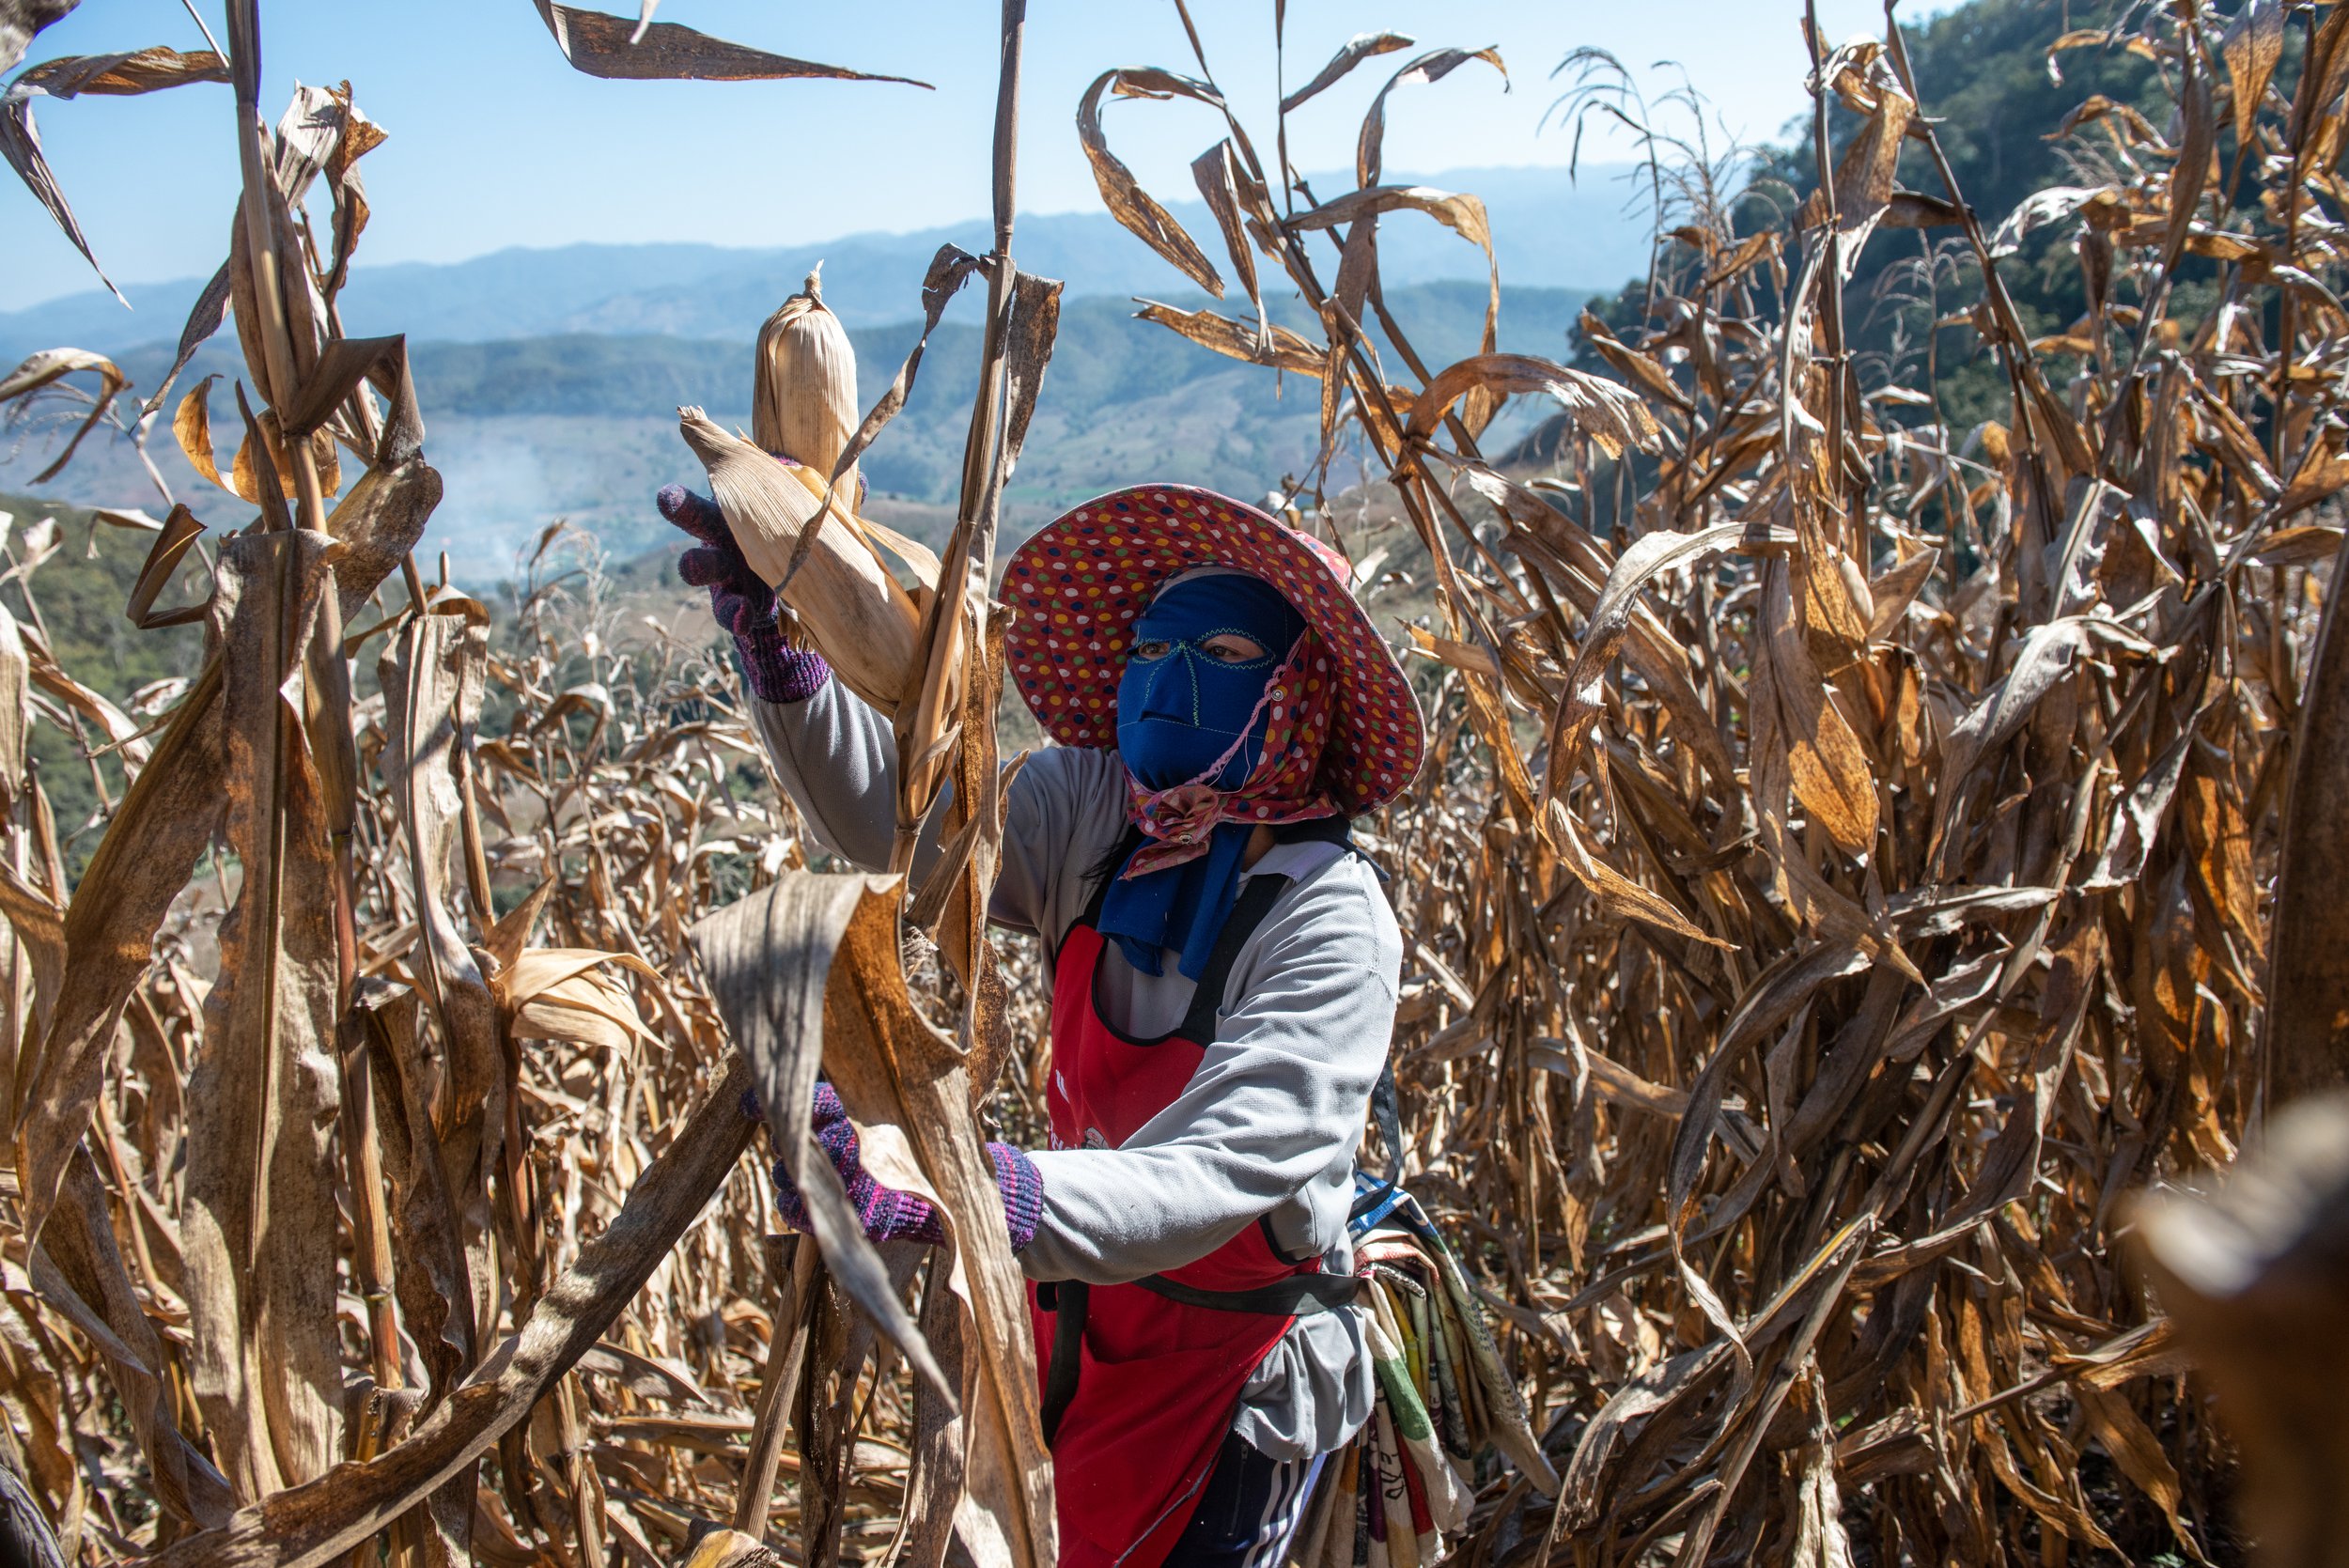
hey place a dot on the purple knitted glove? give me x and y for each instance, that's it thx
(890, 1215)
(741, 601)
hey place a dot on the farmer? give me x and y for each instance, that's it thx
(1224, 971)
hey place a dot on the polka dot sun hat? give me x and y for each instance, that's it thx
(1079, 584)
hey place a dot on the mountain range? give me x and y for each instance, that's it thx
(1550, 230)
(550, 378)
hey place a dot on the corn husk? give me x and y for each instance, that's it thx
(804, 405)
(856, 613)
(732, 1549)
(560, 993)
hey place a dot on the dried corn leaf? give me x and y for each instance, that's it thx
(52, 365)
(21, 19)
(1361, 47)
(1611, 416)
(164, 821)
(2252, 46)
(431, 678)
(555, 993)
(1228, 337)
(122, 75)
(78, 1257)
(307, 1525)
(767, 960)
(20, 145)
(259, 1232)
(435, 1293)
(1123, 195)
(1434, 66)
(599, 44)
(895, 1071)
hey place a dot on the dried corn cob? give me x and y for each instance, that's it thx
(858, 616)
(804, 405)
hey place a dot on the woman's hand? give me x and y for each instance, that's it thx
(740, 603)
(888, 1214)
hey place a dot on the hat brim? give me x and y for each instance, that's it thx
(1078, 585)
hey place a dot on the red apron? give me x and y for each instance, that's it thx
(1158, 1380)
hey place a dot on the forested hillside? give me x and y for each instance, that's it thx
(2014, 116)
(65, 578)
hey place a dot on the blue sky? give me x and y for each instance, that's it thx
(495, 142)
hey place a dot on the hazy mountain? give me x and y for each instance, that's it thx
(550, 378)
(1549, 231)
(583, 425)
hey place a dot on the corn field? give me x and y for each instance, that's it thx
(1857, 855)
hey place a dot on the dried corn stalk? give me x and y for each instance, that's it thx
(1845, 866)
(232, 1133)
(1840, 869)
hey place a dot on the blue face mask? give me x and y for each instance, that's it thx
(1181, 706)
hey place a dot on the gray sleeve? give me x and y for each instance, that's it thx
(837, 759)
(1278, 1102)
(1062, 814)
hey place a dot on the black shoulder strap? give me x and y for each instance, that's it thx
(1247, 912)
(1330, 830)
(1318, 830)
(1388, 1115)
(1069, 1300)
(1297, 1295)
(1384, 1112)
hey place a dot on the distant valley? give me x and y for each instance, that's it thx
(549, 379)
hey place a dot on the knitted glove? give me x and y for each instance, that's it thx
(890, 1215)
(741, 601)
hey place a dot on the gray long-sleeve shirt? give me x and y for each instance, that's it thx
(1266, 1127)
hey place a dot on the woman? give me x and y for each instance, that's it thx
(1224, 980)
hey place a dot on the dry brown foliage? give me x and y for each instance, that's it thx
(1840, 875)
(1842, 870)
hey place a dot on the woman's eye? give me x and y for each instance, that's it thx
(1155, 647)
(1232, 650)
